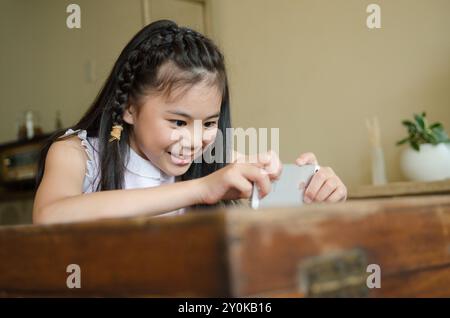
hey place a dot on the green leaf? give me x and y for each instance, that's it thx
(433, 140)
(410, 126)
(440, 134)
(428, 136)
(420, 121)
(408, 123)
(436, 125)
(414, 145)
(401, 142)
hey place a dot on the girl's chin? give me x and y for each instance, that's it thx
(175, 168)
(175, 171)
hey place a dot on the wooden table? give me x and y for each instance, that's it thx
(395, 189)
(314, 250)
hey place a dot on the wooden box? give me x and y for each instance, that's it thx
(321, 250)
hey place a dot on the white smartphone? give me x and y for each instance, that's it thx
(288, 190)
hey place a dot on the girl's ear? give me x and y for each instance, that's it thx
(129, 115)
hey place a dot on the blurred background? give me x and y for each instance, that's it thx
(311, 68)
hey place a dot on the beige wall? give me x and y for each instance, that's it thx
(45, 64)
(313, 68)
(309, 67)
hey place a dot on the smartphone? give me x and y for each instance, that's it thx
(288, 190)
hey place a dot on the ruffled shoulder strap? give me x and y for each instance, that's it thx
(89, 145)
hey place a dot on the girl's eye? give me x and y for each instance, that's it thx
(179, 123)
(210, 124)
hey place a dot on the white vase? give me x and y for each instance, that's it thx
(431, 163)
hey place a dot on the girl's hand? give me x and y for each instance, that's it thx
(268, 160)
(325, 184)
(233, 182)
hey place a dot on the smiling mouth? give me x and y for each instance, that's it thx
(180, 160)
(184, 157)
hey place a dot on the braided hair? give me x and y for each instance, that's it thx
(160, 57)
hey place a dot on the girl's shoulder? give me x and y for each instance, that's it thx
(70, 140)
(79, 139)
(87, 147)
(76, 143)
(64, 169)
(66, 154)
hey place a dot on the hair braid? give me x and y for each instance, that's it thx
(126, 76)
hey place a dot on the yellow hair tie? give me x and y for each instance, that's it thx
(116, 131)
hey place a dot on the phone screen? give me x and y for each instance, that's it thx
(289, 189)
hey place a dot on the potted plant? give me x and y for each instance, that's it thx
(428, 157)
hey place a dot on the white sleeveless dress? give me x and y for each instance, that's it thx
(139, 173)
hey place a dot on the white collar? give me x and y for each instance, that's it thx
(143, 167)
(136, 164)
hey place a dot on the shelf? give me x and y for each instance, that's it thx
(400, 189)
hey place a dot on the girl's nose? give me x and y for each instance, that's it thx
(192, 139)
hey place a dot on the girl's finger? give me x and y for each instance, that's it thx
(306, 158)
(326, 190)
(273, 165)
(339, 194)
(238, 157)
(257, 175)
(314, 186)
(244, 187)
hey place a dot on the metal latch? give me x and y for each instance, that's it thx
(337, 274)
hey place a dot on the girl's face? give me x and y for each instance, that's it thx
(163, 128)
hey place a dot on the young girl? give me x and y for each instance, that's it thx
(121, 158)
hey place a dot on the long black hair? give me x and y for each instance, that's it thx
(135, 73)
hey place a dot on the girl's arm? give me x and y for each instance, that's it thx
(59, 197)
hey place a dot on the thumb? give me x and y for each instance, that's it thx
(306, 158)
